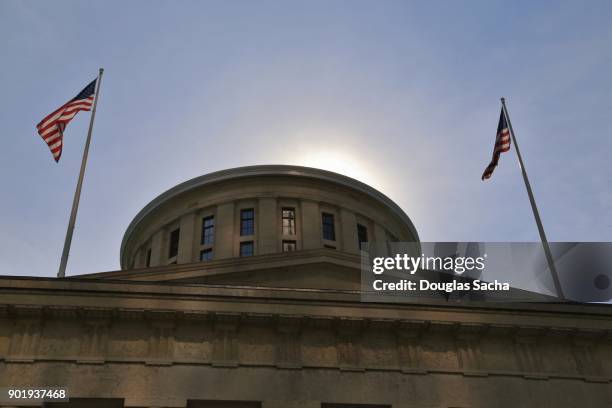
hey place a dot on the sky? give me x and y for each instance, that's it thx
(401, 95)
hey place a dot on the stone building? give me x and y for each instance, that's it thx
(241, 289)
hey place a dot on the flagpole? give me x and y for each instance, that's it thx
(536, 214)
(77, 194)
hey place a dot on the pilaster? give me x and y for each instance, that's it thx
(225, 340)
(348, 339)
(156, 247)
(186, 239)
(27, 332)
(409, 337)
(224, 231)
(94, 341)
(288, 347)
(161, 338)
(311, 224)
(348, 227)
(269, 230)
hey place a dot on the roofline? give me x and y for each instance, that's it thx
(257, 171)
(34, 287)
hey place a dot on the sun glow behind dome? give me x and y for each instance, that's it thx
(342, 162)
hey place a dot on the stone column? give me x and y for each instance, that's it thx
(136, 260)
(269, 229)
(380, 238)
(224, 231)
(311, 224)
(186, 237)
(156, 248)
(348, 226)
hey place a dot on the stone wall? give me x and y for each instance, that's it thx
(165, 345)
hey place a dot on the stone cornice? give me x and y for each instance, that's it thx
(349, 325)
(132, 298)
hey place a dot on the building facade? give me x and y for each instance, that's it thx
(241, 289)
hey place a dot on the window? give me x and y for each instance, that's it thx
(206, 254)
(174, 243)
(353, 406)
(288, 221)
(148, 258)
(329, 230)
(362, 234)
(208, 230)
(246, 248)
(87, 402)
(289, 246)
(247, 221)
(222, 404)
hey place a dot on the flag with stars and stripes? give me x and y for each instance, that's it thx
(51, 128)
(502, 144)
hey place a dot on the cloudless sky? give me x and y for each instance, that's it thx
(401, 95)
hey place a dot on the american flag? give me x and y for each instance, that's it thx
(502, 144)
(51, 128)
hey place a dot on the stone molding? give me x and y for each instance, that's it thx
(28, 324)
(167, 273)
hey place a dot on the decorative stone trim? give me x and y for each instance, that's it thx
(26, 336)
(348, 343)
(586, 346)
(289, 347)
(225, 343)
(408, 335)
(94, 341)
(469, 353)
(584, 350)
(527, 351)
(161, 341)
